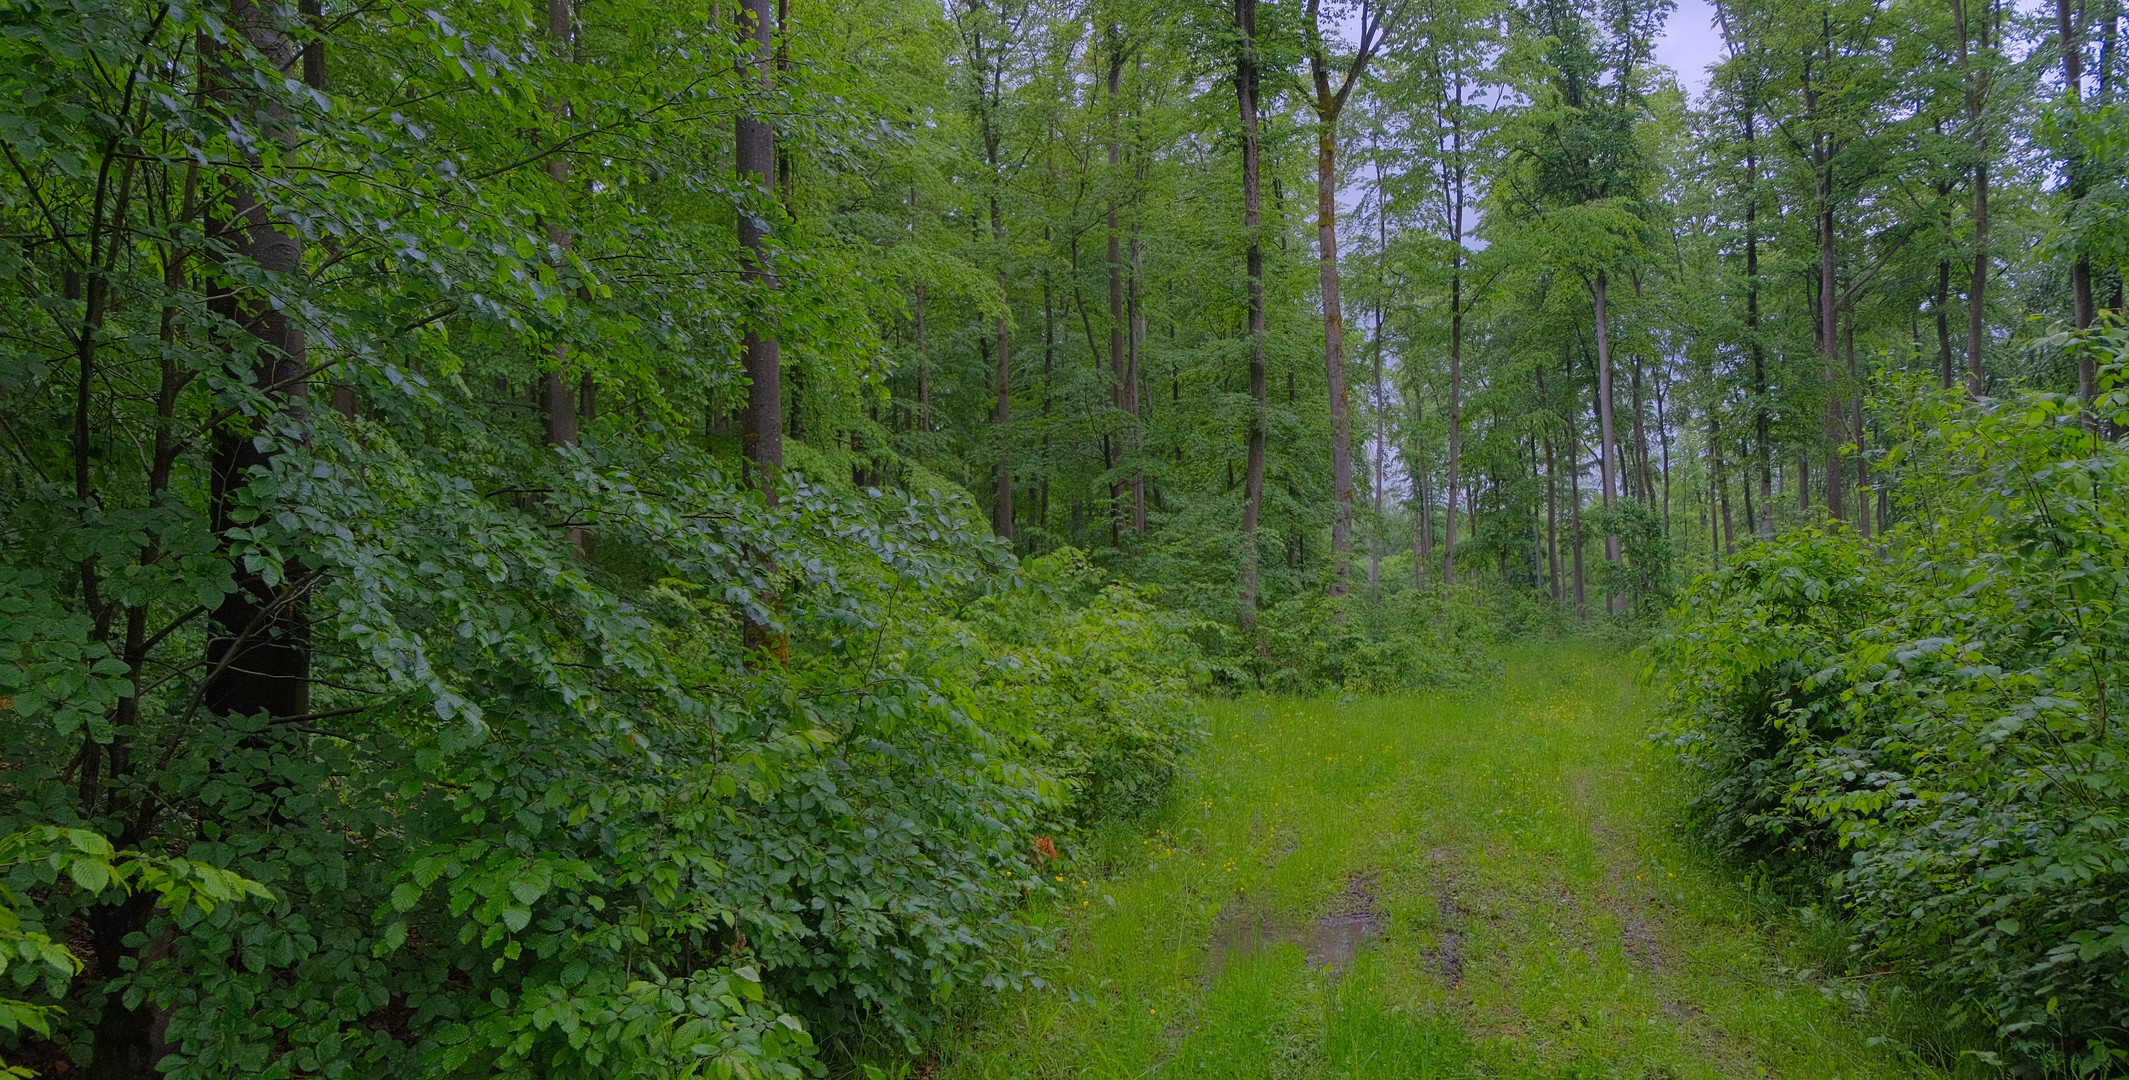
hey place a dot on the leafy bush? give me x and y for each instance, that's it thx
(1104, 672)
(1943, 703)
(1411, 640)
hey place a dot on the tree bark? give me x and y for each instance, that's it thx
(1334, 351)
(557, 396)
(1645, 486)
(2070, 36)
(1552, 494)
(1329, 103)
(258, 638)
(754, 140)
(1453, 208)
(1246, 76)
(1835, 426)
(1608, 452)
(1762, 416)
(1975, 86)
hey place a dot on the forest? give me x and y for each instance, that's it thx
(635, 538)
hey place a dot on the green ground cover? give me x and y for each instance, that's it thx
(1491, 884)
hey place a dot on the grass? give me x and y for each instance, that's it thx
(1534, 912)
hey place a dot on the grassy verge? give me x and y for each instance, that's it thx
(1488, 885)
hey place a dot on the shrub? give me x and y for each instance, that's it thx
(1412, 639)
(1944, 704)
(1105, 675)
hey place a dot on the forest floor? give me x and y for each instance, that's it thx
(1485, 884)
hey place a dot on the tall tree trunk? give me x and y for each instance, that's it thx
(1382, 412)
(1002, 370)
(1645, 487)
(1608, 472)
(1944, 323)
(1334, 352)
(762, 427)
(1762, 416)
(1134, 376)
(1329, 102)
(1552, 494)
(1975, 86)
(1721, 481)
(1119, 372)
(258, 637)
(2071, 38)
(1835, 426)
(761, 431)
(557, 388)
(1862, 466)
(1002, 415)
(1049, 357)
(1456, 415)
(1453, 210)
(1252, 227)
(1574, 508)
(1663, 439)
(1422, 503)
(1135, 313)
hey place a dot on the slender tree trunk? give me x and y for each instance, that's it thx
(1049, 357)
(1119, 372)
(1134, 376)
(1646, 486)
(1762, 416)
(1574, 510)
(1382, 413)
(1608, 455)
(1002, 371)
(1328, 104)
(1456, 416)
(2071, 38)
(762, 427)
(557, 389)
(761, 431)
(1721, 482)
(1453, 200)
(1552, 494)
(1944, 323)
(1422, 505)
(1835, 426)
(1663, 440)
(1974, 83)
(1002, 416)
(1334, 352)
(258, 637)
(1135, 371)
(1252, 227)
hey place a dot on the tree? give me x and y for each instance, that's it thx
(1327, 103)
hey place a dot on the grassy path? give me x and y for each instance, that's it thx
(1428, 887)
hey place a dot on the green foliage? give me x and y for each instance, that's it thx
(1943, 704)
(1644, 573)
(45, 859)
(1412, 639)
(548, 811)
(1105, 675)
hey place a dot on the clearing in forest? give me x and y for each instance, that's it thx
(1481, 885)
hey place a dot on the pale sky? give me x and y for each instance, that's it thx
(1690, 42)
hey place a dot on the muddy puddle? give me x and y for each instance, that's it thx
(1329, 941)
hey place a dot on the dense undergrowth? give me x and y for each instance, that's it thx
(1926, 726)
